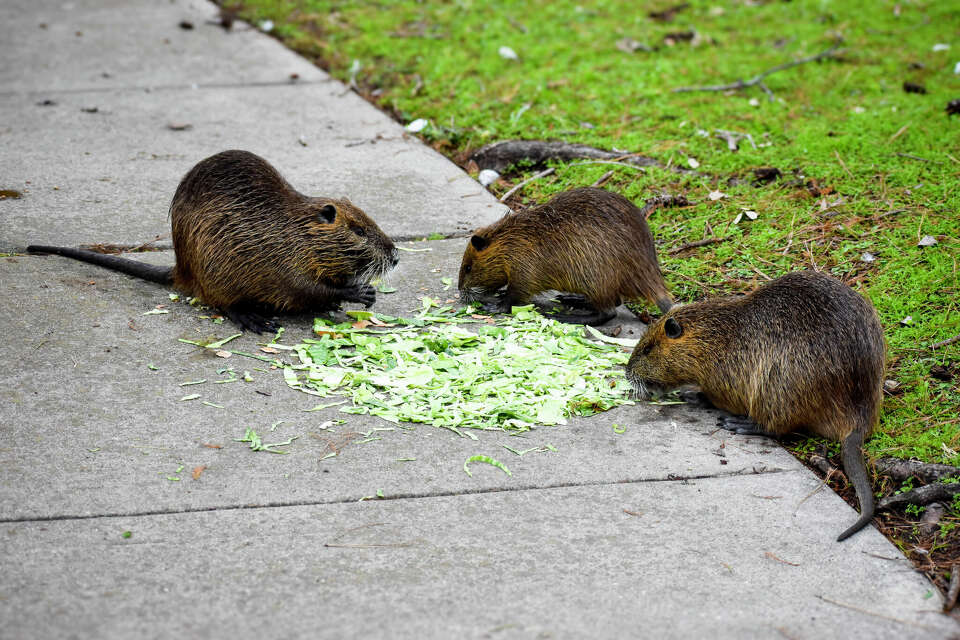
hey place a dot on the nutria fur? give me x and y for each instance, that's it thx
(247, 242)
(804, 351)
(585, 241)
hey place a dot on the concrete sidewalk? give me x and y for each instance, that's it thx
(667, 530)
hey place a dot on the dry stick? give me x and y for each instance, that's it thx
(944, 343)
(698, 243)
(622, 164)
(927, 472)
(899, 132)
(519, 186)
(953, 590)
(913, 157)
(890, 213)
(871, 613)
(757, 80)
(921, 495)
(840, 160)
(603, 178)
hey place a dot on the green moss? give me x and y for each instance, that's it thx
(835, 130)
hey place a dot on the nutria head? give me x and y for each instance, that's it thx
(344, 246)
(483, 270)
(681, 348)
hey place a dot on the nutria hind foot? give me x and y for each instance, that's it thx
(362, 293)
(695, 398)
(249, 320)
(573, 300)
(741, 425)
(598, 316)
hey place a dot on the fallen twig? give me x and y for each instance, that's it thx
(944, 343)
(770, 555)
(522, 184)
(930, 521)
(913, 157)
(871, 613)
(953, 590)
(663, 200)
(500, 155)
(840, 160)
(924, 471)
(698, 243)
(603, 179)
(822, 464)
(757, 80)
(922, 495)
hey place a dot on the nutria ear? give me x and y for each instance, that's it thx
(327, 213)
(672, 328)
(479, 243)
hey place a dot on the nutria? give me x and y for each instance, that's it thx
(246, 242)
(585, 241)
(802, 351)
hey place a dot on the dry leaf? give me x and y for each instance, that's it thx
(361, 324)
(212, 446)
(269, 350)
(198, 471)
(223, 354)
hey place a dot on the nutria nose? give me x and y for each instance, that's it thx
(394, 258)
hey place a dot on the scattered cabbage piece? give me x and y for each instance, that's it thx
(526, 371)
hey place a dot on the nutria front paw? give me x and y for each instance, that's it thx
(362, 293)
(250, 320)
(741, 425)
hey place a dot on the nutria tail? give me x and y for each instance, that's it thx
(150, 272)
(856, 471)
(664, 303)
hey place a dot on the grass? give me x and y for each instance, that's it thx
(866, 167)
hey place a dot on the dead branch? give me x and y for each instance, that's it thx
(944, 343)
(698, 243)
(822, 464)
(913, 157)
(663, 200)
(922, 495)
(521, 185)
(500, 155)
(951, 600)
(871, 613)
(603, 179)
(930, 521)
(757, 80)
(927, 473)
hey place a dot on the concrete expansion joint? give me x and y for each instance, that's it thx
(169, 87)
(681, 479)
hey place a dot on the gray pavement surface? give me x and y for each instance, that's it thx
(669, 529)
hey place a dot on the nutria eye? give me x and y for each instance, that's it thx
(672, 328)
(467, 268)
(647, 349)
(360, 232)
(327, 213)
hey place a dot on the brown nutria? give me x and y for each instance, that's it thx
(585, 241)
(804, 351)
(248, 243)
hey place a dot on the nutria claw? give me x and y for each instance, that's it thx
(250, 320)
(362, 293)
(740, 425)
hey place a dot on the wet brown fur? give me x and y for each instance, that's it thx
(242, 235)
(801, 352)
(246, 242)
(588, 241)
